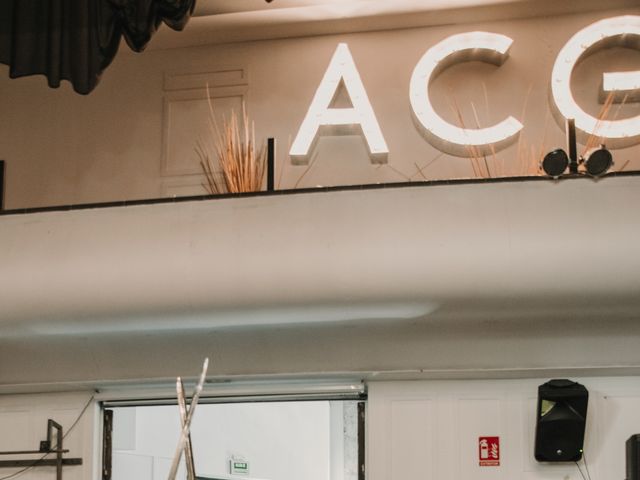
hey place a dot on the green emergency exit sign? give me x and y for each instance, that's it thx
(239, 467)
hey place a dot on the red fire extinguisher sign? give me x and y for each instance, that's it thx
(489, 451)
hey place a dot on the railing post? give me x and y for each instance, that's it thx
(271, 164)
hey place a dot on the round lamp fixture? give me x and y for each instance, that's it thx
(597, 162)
(555, 163)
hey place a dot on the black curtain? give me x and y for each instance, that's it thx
(76, 40)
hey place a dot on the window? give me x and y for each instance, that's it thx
(275, 440)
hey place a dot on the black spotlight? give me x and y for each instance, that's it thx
(555, 163)
(597, 162)
(560, 424)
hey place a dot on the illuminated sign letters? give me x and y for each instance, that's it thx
(358, 117)
(457, 140)
(487, 47)
(619, 31)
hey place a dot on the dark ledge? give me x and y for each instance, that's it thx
(339, 188)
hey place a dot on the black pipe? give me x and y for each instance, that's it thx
(1, 184)
(572, 145)
(271, 164)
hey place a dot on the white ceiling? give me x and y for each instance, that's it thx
(345, 7)
(219, 7)
(224, 21)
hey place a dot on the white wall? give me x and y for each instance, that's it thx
(23, 424)
(417, 429)
(282, 441)
(63, 148)
(430, 430)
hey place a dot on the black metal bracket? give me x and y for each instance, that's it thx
(107, 444)
(572, 145)
(45, 449)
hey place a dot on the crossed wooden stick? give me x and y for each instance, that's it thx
(186, 415)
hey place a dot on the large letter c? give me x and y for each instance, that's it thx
(483, 46)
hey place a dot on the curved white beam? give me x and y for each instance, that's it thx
(322, 257)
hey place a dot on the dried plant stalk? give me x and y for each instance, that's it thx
(529, 157)
(479, 161)
(473, 152)
(242, 166)
(594, 140)
(491, 165)
(624, 165)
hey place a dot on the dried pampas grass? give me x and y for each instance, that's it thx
(492, 165)
(479, 162)
(235, 165)
(594, 140)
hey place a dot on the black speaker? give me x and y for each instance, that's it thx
(632, 456)
(560, 423)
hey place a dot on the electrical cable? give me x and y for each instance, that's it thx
(26, 469)
(39, 460)
(577, 465)
(584, 460)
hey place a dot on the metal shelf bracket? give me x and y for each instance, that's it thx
(45, 450)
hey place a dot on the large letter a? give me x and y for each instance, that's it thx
(359, 118)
